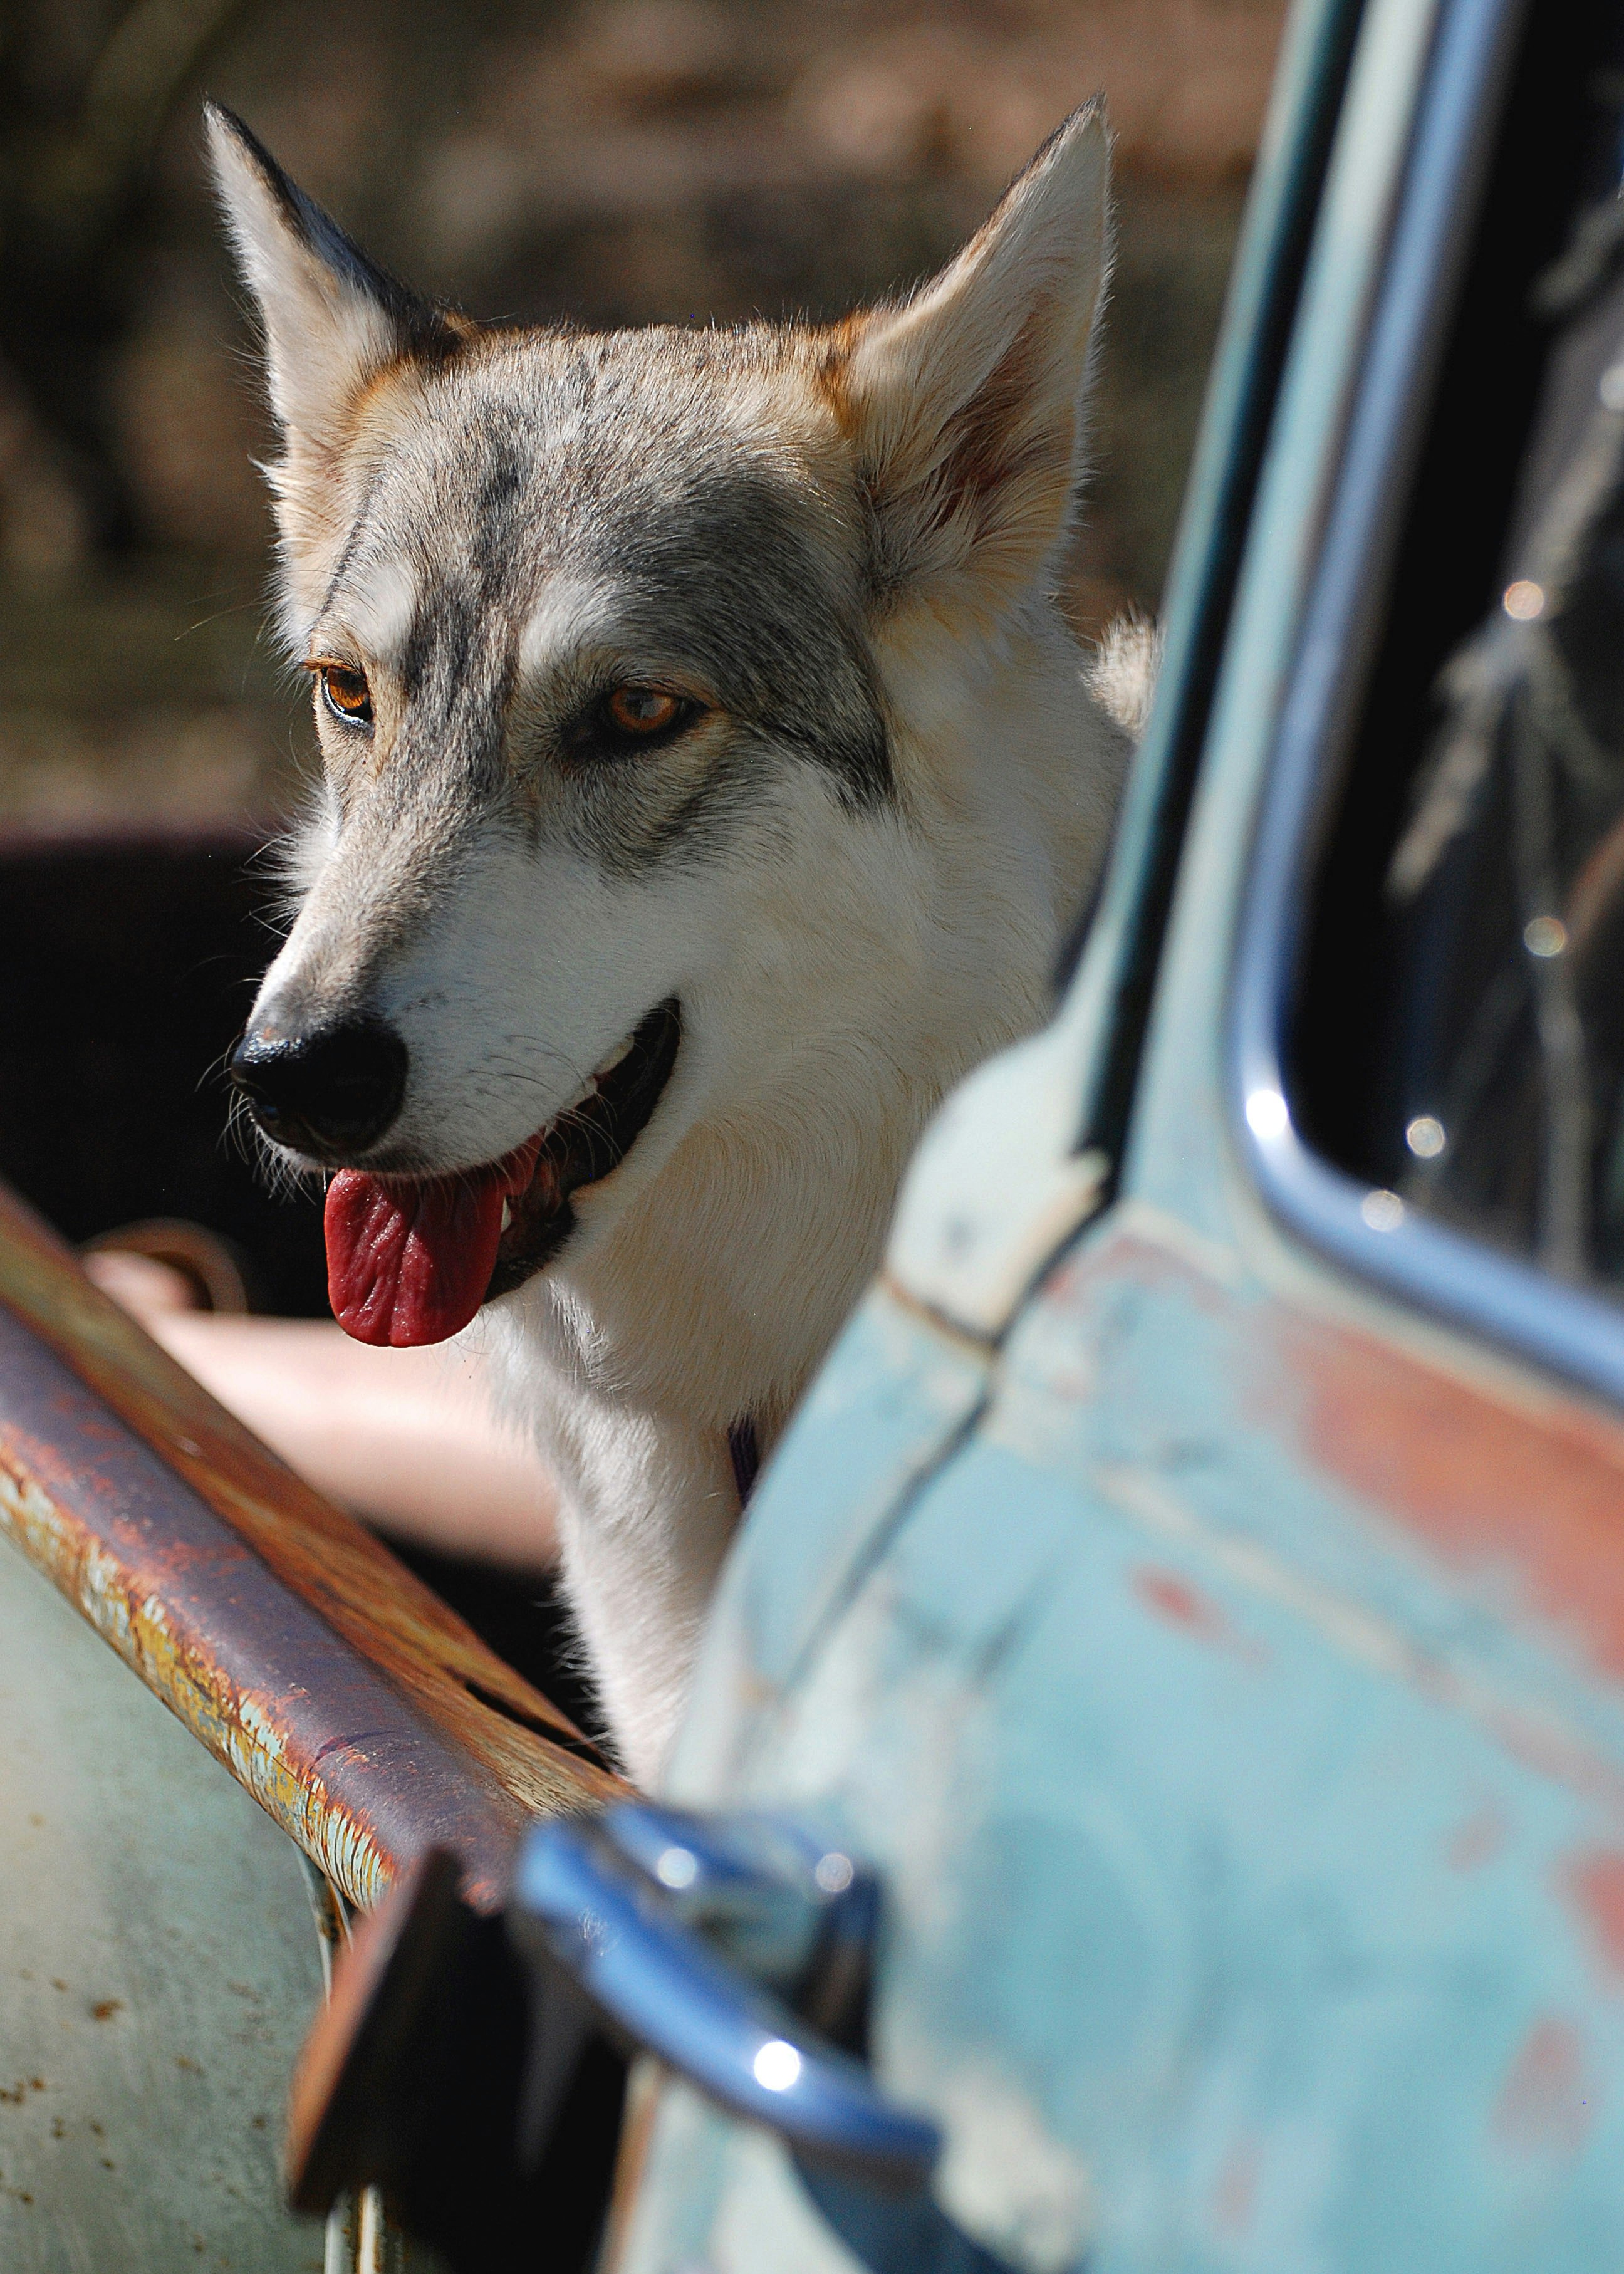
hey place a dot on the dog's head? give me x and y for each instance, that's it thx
(604, 636)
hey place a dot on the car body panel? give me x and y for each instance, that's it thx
(159, 1963)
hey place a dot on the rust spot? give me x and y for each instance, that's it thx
(104, 2008)
(1530, 1498)
(1594, 1882)
(1175, 1600)
(1545, 2104)
(1478, 1841)
(1235, 2199)
(1170, 1596)
(1524, 1494)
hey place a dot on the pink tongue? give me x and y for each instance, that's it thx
(411, 1262)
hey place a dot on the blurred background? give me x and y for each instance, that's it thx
(611, 161)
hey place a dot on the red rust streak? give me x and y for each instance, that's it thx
(1526, 1493)
(1594, 1882)
(1478, 1841)
(1525, 1498)
(1170, 1596)
(1546, 2104)
(1175, 1600)
(1235, 2201)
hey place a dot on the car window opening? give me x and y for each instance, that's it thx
(1458, 1037)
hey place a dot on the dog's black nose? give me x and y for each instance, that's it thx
(330, 1092)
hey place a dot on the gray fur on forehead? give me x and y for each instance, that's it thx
(625, 462)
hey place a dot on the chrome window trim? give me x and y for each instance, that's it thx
(1499, 1297)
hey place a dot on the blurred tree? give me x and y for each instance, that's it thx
(84, 95)
(599, 161)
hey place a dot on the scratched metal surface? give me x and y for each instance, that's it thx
(358, 1711)
(1224, 1665)
(158, 1967)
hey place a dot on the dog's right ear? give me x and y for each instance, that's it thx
(967, 404)
(332, 318)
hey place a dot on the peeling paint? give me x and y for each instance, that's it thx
(269, 1658)
(1478, 1842)
(1595, 1883)
(1549, 2103)
(1006, 2179)
(1528, 1495)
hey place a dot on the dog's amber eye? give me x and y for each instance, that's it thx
(643, 710)
(632, 717)
(346, 693)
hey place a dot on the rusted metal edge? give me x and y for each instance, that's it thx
(367, 1719)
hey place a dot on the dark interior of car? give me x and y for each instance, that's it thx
(1454, 1036)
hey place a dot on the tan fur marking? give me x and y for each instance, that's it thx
(831, 368)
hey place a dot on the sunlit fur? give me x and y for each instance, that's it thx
(854, 873)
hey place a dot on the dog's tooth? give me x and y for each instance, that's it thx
(613, 1059)
(506, 1214)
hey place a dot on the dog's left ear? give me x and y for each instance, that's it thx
(333, 319)
(967, 405)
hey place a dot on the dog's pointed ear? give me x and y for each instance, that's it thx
(967, 405)
(332, 318)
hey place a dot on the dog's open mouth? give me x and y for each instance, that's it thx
(411, 1260)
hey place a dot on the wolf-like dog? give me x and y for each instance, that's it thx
(710, 779)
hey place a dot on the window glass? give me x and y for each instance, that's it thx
(1459, 1037)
